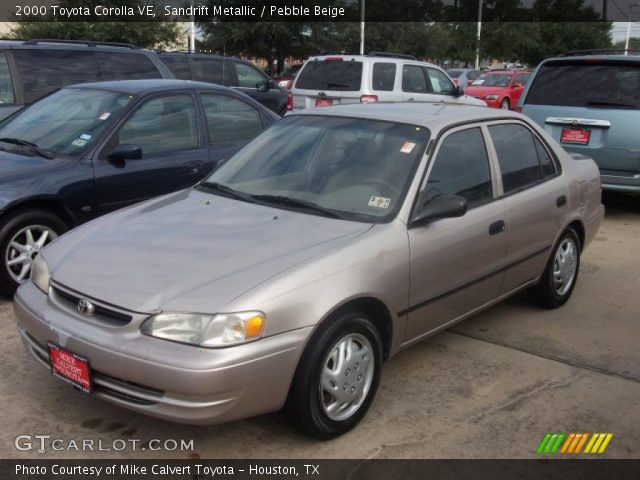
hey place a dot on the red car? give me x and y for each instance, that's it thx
(500, 89)
(285, 79)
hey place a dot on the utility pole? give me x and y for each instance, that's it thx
(478, 34)
(192, 31)
(629, 18)
(362, 27)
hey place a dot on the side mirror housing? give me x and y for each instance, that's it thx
(264, 86)
(126, 152)
(458, 90)
(442, 206)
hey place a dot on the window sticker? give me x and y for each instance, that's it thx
(105, 115)
(85, 136)
(78, 142)
(379, 202)
(407, 147)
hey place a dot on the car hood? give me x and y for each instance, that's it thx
(17, 165)
(189, 251)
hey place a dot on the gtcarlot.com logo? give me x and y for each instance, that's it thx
(43, 443)
(573, 443)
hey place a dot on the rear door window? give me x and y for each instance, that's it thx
(230, 120)
(212, 71)
(606, 84)
(384, 76)
(332, 75)
(42, 71)
(179, 66)
(130, 66)
(6, 85)
(414, 79)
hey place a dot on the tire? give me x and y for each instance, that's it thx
(311, 405)
(505, 105)
(559, 279)
(14, 231)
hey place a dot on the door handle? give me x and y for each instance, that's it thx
(497, 227)
(192, 167)
(561, 201)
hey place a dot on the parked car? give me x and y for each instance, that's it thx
(31, 69)
(89, 149)
(285, 79)
(590, 103)
(331, 242)
(376, 77)
(500, 88)
(463, 76)
(230, 71)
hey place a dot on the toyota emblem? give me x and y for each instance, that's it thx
(86, 307)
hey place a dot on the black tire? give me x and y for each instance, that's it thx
(10, 226)
(548, 292)
(505, 104)
(305, 404)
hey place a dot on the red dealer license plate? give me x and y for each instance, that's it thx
(575, 136)
(70, 367)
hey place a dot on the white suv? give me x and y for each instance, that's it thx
(377, 77)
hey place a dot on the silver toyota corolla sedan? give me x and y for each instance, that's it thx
(332, 241)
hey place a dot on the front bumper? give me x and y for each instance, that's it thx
(164, 379)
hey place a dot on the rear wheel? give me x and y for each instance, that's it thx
(505, 105)
(22, 235)
(337, 377)
(561, 273)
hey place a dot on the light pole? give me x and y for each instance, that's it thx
(362, 27)
(478, 34)
(192, 31)
(626, 42)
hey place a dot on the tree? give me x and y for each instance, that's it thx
(147, 34)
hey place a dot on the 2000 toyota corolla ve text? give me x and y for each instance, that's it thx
(329, 243)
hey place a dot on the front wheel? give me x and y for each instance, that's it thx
(561, 273)
(22, 235)
(337, 377)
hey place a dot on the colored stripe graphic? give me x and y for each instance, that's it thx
(573, 443)
(598, 442)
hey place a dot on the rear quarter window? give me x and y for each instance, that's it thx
(581, 84)
(336, 75)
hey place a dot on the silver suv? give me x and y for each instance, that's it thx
(376, 77)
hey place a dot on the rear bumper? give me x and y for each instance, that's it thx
(205, 386)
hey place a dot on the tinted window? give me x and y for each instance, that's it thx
(384, 76)
(179, 66)
(546, 162)
(335, 75)
(6, 85)
(461, 168)
(229, 119)
(212, 71)
(455, 73)
(523, 79)
(517, 156)
(579, 84)
(440, 83)
(473, 74)
(248, 76)
(161, 125)
(120, 66)
(43, 71)
(413, 79)
(493, 80)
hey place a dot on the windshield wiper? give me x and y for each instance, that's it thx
(32, 147)
(225, 190)
(296, 203)
(596, 103)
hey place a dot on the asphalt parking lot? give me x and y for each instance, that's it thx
(489, 388)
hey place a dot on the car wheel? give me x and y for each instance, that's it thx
(337, 376)
(505, 104)
(561, 273)
(22, 236)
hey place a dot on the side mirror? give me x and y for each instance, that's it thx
(518, 84)
(264, 86)
(458, 90)
(126, 152)
(442, 206)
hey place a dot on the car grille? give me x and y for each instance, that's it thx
(107, 385)
(103, 312)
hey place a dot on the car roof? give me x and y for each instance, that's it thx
(632, 57)
(377, 58)
(134, 87)
(431, 115)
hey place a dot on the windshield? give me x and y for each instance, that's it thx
(67, 121)
(356, 169)
(492, 80)
(581, 84)
(331, 74)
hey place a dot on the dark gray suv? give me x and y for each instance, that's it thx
(34, 68)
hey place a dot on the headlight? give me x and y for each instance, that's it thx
(492, 97)
(40, 275)
(219, 330)
(284, 83)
